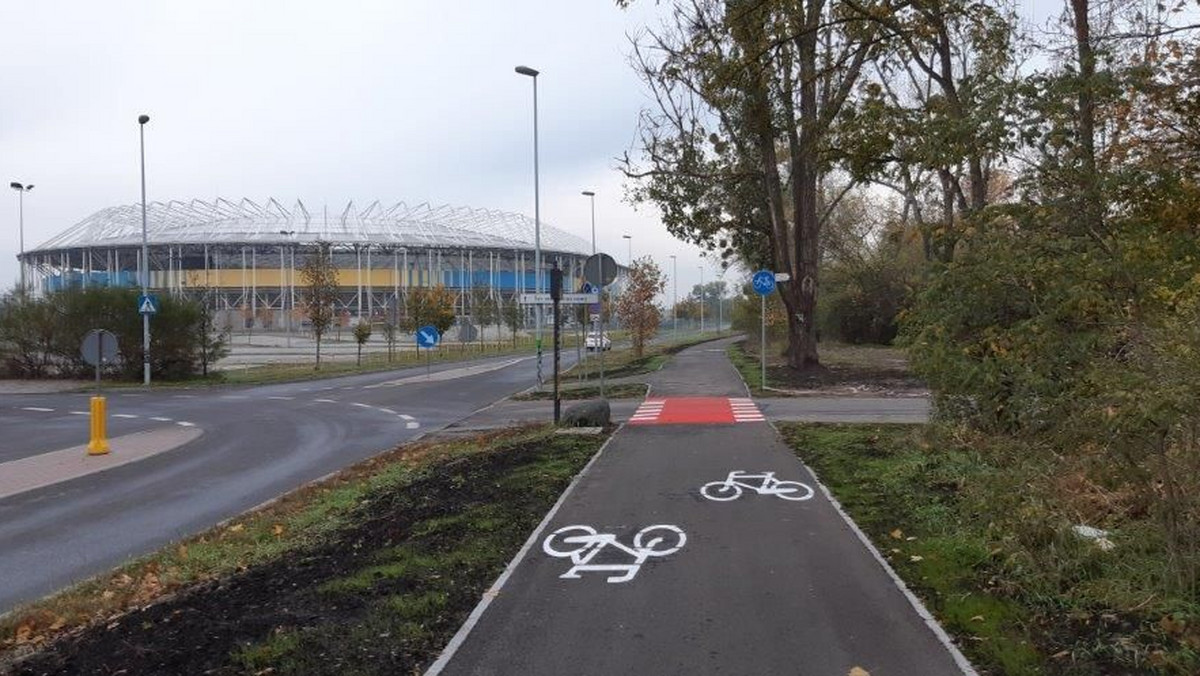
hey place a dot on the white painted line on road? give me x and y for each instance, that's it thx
(235, 396)
(79, 413)
(407, 417)
(325, 401)
(412, 425)
(917, 605)
(160, 419)
(732, 486)
(355, 403)
(461, 635)
(124, 415)
(347, 388)
(387, 410)
(281, 398)
(184, 423)
(183, 396)
(39, 409)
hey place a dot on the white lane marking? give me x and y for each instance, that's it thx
(407, 417)
(183, 396)
(387, 410)
(355, 403)
(79, 413)
(160, 419)
(39, 409)
(412, 425)
(129, 416)
(460, 636)
(347, 388)
(235, 396)
(184, 423)
(732, 486)
(325, 401)
(581, 544)
(281, 398)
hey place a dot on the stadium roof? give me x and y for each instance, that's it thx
(247, 222)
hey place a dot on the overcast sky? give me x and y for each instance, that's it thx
(326, 102)
(394, 100)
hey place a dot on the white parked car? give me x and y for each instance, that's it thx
(597, 341)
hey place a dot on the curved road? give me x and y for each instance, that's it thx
(257, 443)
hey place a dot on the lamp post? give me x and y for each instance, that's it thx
(702, 299)
(287, 317)
(674, 297)
(592, 195)
(142, 120)
(21, 190)
(537, 223)
(629, 253)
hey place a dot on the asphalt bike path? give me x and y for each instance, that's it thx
(660, 561)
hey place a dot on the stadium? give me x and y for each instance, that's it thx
(246, 257)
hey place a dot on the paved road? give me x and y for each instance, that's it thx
(762, 585)
(258, 443)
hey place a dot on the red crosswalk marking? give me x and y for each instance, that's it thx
(696, 411)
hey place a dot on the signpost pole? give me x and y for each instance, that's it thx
(763, 353)
(99, 352)
(600, 337)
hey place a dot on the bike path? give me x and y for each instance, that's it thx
(762, 585)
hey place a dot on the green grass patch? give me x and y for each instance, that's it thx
(613, 391)
(964, 524)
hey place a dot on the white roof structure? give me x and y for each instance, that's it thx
(247, 222)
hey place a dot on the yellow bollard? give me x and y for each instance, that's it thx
(99, 443)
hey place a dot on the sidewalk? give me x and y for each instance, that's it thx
(662, 560)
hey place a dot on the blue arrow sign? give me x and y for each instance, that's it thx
(428, 336)
(147, 304)
(764, 282)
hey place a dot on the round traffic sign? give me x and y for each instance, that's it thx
(428, 336)
(764, 282)
(98, 347)
(600, 270)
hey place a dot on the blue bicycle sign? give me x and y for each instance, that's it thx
(764, 282)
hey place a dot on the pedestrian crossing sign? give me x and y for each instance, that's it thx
(147, 304)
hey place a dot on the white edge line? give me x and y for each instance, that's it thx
(917, 605)
(461, 635)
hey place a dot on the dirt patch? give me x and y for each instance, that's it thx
(382, 596)
(845, 370)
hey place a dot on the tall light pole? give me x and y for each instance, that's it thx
(142, 120)
(537, 223)
(592, 195)
(702, 299)
(287, 317)
(674, 297)
(21, 190)
(629, 254)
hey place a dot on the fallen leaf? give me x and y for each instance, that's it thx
(59, 623)
(236, 528)
(23, 633)
(858, 671)
(914, 558)
(108, 594)
(897, 534)
(278, 529)
(977, 618)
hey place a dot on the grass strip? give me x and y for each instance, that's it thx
(368, 572)
(968, 529)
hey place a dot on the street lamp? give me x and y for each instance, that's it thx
(674, 297)
(702, 298)
(21, 190)
(537, 223)
(592, 195)
(629, 255)
(287, 318)
(142, 120)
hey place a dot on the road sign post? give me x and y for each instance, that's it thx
(600, 270)
(556, 294)
(428, 337)
(764, 283)
(98, 348)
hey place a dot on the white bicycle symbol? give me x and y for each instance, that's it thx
(582, 544)
(731, 488)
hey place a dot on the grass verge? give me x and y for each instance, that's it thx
(369, 572)
(614, 391)
(845, 369)
(966, 525)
